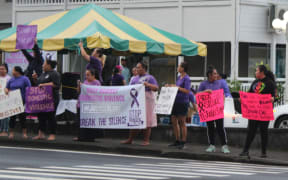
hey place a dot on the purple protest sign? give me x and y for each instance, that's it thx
(26, 36)
(39, 99)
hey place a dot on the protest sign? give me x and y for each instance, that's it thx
(11, 104)
(25, 36)
(119, 107)
(210, 105)
(16, 59)
(256, 106)
(39, 99)
(166, 100)
(3, 82)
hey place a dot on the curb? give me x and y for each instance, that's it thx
(138, 150)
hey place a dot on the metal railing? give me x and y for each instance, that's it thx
(38, 2)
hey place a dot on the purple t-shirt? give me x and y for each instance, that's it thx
(145, 78)
(117, 80)
(97, 65)
(186, 84)
(225, 88)
(93, 83)
(215, 85)
(192, 98)
(21, 83)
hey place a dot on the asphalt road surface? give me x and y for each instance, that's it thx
(43, 164)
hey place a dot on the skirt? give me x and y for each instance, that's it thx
(150, 106)
(180, 109)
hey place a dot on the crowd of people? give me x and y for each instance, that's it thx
(42, 73)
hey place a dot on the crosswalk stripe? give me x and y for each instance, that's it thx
(28, 177)
(192, 166)
(151, 170)
(251, 165)
(121, 172)
(60, 175)
(85, 173)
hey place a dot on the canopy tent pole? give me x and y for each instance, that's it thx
(205, 67)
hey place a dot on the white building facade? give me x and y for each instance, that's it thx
(237, 32)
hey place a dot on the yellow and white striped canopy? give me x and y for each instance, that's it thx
(102, 28)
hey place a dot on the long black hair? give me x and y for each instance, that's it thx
(19, 70)
(94, 73)
(53, 64)
(184, 65)
(268, 73)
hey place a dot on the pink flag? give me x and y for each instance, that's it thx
(256, 106)
(210, 105)
(26, 35)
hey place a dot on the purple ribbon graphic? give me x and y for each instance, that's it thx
(134, 95)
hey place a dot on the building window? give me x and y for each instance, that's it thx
(8, 1)
(219, 55)
(280, 61)
(251, 54)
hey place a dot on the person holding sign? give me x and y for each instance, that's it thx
(35, 62)
(151, 85)
(208, 86)
(264, 84)
(4, 78)
(92, 79)
(180, 107)
(50, 77)
(96, 60)
(19, 81)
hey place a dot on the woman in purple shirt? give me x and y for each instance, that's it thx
(180, 107)
(96, 60)
(92, 79)
(208, 86)
(118, 78)
(19, 81)
(151, 85)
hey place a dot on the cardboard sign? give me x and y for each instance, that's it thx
(25, 36)
(119, 107)
(256, 106)
(11, 104)
(166, 100)
(39, 99)
(210, 105)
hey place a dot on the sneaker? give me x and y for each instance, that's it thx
(225, 149)
(181, 145)
(211, 149)
(175, 144)
(244, 154)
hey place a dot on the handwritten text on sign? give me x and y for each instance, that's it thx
(26, 35)
(166, 100)
(11, 104)
(257, 106)
(119, 107)
(39, 99)
(210, 105)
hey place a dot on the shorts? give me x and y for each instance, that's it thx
(180, 109)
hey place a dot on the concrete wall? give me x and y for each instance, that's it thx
(5, 12)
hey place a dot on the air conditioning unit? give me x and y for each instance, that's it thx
(275, 11)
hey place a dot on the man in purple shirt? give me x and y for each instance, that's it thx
(208, 86)
(95, 60)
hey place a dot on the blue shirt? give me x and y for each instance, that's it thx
(183, 83)
(126, 74)
(21, 83)
(215, 85)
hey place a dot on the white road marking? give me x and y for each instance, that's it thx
(28, 177)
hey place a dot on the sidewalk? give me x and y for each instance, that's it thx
(158, 149)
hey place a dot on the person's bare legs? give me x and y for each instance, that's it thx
(11, 133)
(132, 134)
(40, 136)
(51, 137)
(176, 129)
(147, 134)
(182, 122)
(24, 133)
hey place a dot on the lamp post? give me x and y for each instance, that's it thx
(280, 26)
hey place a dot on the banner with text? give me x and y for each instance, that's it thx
(11, 104)
(256, 106)
(25, 36)
(39, 99)
(16, 59)
(210, 105)
(166, 100)
(119, 107)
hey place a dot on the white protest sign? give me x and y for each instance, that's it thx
(16, 59)
(166, 100)
(11, 104)
(118, 107)
(3, 82)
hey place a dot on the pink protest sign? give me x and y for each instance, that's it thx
(210, 105)
(26, 36)
(39, 99)
(256, 106)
